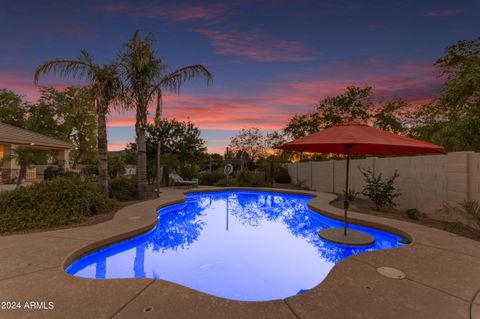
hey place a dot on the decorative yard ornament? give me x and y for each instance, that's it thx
(228, 170)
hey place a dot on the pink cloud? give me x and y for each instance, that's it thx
(173, 12)
(19, 84)
(255, 45)
(443, 12)
(270, 105)
(22, 83)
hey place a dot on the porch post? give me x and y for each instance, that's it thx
(63, 160)
(8, 164)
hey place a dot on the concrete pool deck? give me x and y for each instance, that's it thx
(442, 276)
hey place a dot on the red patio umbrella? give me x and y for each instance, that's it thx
(354, 138)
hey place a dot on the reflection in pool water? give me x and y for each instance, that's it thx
(242, 245)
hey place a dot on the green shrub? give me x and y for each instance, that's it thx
(69, 174)
(211, 178)
(379, 190)
(281, 175)
(123, 188)
(61, 201)
(90, 170)
(116, 166)
(188, 172)
(247, 178)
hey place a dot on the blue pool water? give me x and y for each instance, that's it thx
(242, 245)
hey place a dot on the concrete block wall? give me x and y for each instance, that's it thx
(425, 182)
(474, 175)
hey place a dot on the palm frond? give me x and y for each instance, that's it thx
(174, 80)
(74, 68)
(83, 66)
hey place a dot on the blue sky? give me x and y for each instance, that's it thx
(270, 59)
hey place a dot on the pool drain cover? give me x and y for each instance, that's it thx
(390, 272)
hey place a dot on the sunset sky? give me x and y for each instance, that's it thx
(269, 59)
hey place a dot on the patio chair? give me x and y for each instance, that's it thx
(179, 181)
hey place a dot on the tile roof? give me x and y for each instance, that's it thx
(14, 135)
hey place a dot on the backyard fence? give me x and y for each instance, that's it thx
(426, 182)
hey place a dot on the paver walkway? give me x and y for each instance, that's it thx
(442, 276)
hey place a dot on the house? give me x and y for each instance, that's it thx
(12, 137)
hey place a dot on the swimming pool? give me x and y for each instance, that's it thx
(236, 244)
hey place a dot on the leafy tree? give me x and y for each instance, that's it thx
(106, 90)
(12, 108)
(452, 120)
(116, 166)
(75, 117)
(460, 65)
(391, 116)
(250, 142)
(145, 76)
(353, 105)
(180, 144)
(42, 118)
(301, 125)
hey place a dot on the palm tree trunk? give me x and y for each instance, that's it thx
(141, 159)
(102, 149)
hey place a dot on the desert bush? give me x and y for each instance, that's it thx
(210, 178)
(61, 201)
(413, 213)
(281, 175)
(471, 208)
(123, 188)
(381, 191)
(351, 194)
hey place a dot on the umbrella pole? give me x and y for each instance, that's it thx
(345, 202)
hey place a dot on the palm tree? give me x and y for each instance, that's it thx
(107, 91)
(145, 76)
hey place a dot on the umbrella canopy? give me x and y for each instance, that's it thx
(353, 138)
(360, 139)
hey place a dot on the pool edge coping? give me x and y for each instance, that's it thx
(108, 241)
